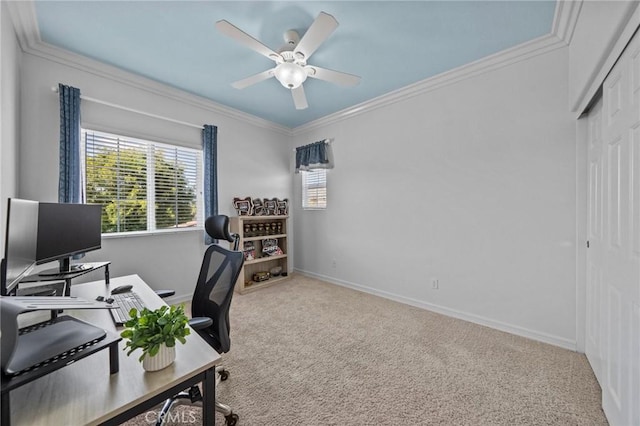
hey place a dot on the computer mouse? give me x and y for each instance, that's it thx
(122, 289)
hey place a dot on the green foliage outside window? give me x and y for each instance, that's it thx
(175, 201)
(117, 179)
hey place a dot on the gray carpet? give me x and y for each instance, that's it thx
(305, 352)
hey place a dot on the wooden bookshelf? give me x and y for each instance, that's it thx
(253, 231)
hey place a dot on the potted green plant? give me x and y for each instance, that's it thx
(156, 332)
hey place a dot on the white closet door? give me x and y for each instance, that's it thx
(594, 326)
(632, 262)
(614, 256)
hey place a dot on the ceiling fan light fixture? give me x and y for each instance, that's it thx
(291, 68)
(290, 75)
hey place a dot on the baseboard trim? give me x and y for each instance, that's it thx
(476, 319)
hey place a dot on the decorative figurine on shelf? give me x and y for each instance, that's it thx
(261, 276)
(258, 207)
(243, 206)
(270, 247)
(249, 250)
(283, 207)
(275, 271)
(261, 206)
(271, 206)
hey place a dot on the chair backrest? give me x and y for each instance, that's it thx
(216, 282)
(218, 228)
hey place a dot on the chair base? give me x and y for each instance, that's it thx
(194, 397)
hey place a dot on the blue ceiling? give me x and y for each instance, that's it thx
(390, 44)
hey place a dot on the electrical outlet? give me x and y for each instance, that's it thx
(435, 283)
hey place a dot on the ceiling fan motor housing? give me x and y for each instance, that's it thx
(291, 37)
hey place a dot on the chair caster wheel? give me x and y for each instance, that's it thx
(224, 375)
(231, 419)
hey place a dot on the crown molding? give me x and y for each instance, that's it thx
(564, 22)
(566, 14)
(501, 59)
(565, 19)
(24, 17)
(608, 58)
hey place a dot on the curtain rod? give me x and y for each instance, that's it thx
(327, 140)
(137, 111)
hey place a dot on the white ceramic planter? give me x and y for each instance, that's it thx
(162, 359)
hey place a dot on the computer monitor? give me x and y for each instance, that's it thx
(21, 236)
(66, 230)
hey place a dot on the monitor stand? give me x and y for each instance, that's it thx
(68, 276)
(43, 348)
(65, 268)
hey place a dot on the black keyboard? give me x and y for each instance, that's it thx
(125, 302)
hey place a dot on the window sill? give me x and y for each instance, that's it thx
(151, 233)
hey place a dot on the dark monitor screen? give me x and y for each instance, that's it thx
(65, 230)
(20, 242)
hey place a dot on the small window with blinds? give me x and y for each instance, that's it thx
(314, 189)
(143, 186)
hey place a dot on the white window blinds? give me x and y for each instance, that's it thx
(142, 185)
(314, 189)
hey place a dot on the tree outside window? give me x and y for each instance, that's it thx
(142, 185)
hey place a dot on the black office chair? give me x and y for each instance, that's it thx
(210, 308)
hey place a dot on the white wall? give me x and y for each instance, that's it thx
(9, 119)
(472, 184)
(252, 160)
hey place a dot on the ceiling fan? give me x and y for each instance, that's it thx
(291, 68)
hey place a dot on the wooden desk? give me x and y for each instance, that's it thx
(85, 393)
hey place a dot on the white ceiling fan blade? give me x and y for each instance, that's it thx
(240, 36)
(336, 77)
(257, 78)
(317, 33)
(299, 98)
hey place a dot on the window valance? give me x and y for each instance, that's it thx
(317, 155)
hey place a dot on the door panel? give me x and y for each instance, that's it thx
(614, 257)
(613, 204)
(634, 231)
(635, 190)
(614, 379)
(595, 323)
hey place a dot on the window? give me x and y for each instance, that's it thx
(142, 185)
(314, 189)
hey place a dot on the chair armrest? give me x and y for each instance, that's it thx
(198, 323)
(165, 293)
